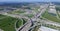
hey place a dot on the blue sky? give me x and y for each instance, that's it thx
(28, 0)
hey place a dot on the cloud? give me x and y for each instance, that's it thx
(28, 0)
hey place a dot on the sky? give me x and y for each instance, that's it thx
(29, 0)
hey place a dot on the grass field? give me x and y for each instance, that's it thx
(58, 9)
(36, 9)
(50, 17)
(29, 15)
(19, 23)
(17, 12)
(58, 14)
(8, 23)
(1, 16)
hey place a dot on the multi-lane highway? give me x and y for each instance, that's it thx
(30, 23)
(34, 19)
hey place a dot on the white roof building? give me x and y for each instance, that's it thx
(46, 29)
(52, 9)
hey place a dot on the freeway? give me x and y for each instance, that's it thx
(41, 11)
(14, 15)
(30, 21)
(46, 21)
(27, 25)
